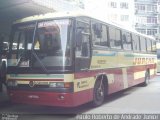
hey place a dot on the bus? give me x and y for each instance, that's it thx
(69, 59)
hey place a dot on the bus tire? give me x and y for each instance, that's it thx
(147, 78)
(98, 93)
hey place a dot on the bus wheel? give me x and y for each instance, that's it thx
(98, 93)
(147, 78)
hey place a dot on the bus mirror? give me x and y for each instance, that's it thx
(5, 49)
(97, 30)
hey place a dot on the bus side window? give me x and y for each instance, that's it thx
(115, 38)
(126, 40)
(143, 44)
(82, 40)
(99, 35)
(158, 53)
(136, 45)
(15, 38)
(153, 46)
(149, 45)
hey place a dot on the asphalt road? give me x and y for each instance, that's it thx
(137, 100)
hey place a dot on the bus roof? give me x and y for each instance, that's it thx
(49, 16)
(75, 14)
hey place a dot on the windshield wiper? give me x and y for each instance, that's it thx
(22, 58)
(33, 52)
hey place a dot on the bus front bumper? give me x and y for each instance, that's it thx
(51, 98)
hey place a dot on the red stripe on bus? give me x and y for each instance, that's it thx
(141, 68)
(93, 73)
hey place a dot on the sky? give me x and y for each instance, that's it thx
(95, 6)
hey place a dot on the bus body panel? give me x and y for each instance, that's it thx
(51, 98)
(118, 79)
(130, 71)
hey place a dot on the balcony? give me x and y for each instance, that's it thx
(150, 13)
(146, 1)
(146, 25)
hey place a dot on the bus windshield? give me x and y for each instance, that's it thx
(51, 44)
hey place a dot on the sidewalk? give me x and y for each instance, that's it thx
(3, 95)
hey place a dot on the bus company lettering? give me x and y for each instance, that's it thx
(139, 61)
(82, 84)
(101, 61)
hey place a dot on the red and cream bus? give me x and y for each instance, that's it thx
(70, 59)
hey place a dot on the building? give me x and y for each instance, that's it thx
(117, 11)
(121, 12)
(146, 17)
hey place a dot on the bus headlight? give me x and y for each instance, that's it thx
(59, 85)
(12, 83)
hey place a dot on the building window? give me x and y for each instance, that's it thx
(113, 4)
(112, 17)
(151, 19)
(141, 20)
(151, 31)
(124, 5)
(151, 8)
(140, 7)
(124, 17)
(154, 8)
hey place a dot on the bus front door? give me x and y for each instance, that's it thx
(83, 49)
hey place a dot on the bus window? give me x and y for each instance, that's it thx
(48, 38)
(104, 40)
(135, 39)
(115, 39)
(158, 54)
(153, 46)
(82, 40)
(51, 43)
(15, 39)
(82, 53)
(143, 44)
(126, 40)
(149, 45)
(99, 38)
(21, 45)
